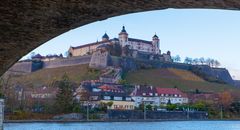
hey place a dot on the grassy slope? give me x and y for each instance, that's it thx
(76, 74)
(184, 80)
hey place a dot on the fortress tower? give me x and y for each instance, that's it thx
(155, 43)
(123, 37)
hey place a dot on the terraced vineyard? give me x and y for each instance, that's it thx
(184, 80)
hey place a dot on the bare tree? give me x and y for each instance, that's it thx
(188, 60)
(217, 63)
(202, 60)
(195, 61)
(177, 58)
(208, 61)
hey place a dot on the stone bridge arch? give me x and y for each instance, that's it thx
(26, 24)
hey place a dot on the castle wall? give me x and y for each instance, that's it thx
(21, 67)
(67, 62)
(100, 59)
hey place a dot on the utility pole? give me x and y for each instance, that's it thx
(144, 111)
(87, 110)
(221, 113)
(188, 113)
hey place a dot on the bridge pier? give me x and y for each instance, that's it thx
(1, 113)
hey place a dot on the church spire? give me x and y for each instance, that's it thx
(123, 29)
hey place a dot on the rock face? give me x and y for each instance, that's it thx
(26, 24)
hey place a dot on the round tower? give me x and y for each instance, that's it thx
(123, 37)
(155, 43)
(105, 37)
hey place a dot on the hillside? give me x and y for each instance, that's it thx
(76, 74)
(185, 80)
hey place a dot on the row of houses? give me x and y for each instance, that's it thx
(96, 93)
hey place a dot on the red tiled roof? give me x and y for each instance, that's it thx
(148, 91)
(114, 39)
(90, 44)
(110, 88)
(139, 40)
(170, 91)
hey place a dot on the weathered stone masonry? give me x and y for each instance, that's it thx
(26, 24)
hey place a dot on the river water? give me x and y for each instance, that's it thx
(166, 125)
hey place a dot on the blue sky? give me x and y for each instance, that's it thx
(187, 32)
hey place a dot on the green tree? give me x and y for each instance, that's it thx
(171, 107)
(200, 106)
(149, 107)
(64, 100)
(109, 104)
(123, 82)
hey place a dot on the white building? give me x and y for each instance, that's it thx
(156, 96)
(140, 45)
(145, 95)
(172, 95)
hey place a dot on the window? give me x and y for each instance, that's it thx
(118, 98)
(106, 97)
(150, 94)
(143, 94)
(128, 99)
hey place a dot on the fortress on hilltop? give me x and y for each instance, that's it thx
(137, 47)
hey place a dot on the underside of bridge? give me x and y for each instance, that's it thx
(26, 24)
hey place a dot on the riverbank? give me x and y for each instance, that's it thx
(119, 120)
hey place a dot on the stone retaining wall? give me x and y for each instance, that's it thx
(67, 62)
(171, 115)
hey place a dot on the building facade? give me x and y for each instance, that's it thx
(98, 93)
(146, 95)
(171, 95)
(157, 96)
